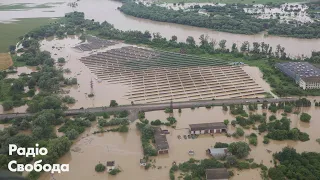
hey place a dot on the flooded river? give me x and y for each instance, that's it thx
(125, 149)
(106, 10)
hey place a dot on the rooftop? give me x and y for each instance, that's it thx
(160, 139)
(217, 173)
(218, 150)
(303, 69)
(311, 79)
(110, 163)
(205, 126)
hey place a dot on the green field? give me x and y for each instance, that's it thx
(9, 33)
(25, 6)
(232, 1)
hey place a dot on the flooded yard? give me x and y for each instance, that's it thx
(125, 149)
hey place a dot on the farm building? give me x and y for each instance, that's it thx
(218, 152)
(217, 174)
(161, 141)
(204, 128)
(305, 74)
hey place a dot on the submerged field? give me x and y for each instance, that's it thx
(11, 32)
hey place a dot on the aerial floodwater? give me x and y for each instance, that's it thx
(106, 10)
(99, 101)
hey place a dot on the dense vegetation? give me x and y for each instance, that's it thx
(229, 18)
(147, 135)
(296, 166)
(237, 22)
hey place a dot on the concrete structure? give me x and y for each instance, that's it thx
(217, 174)
(309, 82)
(204, 128)
(161, 141)
(218, 152)
(305, 74)
(110, 165)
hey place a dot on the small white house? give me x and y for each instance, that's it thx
(110, 165)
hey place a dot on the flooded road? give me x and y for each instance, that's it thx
(106, 10)
(125, 149)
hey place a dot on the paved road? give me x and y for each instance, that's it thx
(160, 106)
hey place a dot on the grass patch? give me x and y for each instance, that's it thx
(26, 6)
(10, 32)
(233, 1)
(5, 61)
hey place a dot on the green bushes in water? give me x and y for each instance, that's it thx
(295, 166)
(100, 167)
(305, 117)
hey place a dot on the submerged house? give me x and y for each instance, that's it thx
(205, 128)
(217, 174)
(110, 165)
(143, 162)
(218, 152)
(161, 141)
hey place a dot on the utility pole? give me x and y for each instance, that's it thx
(91, 85)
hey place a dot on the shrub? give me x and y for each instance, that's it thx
(272, 117)
(113, 103)
(100, 167)
(221, 145)
(305, 117)
(61, 60)
(114, 171)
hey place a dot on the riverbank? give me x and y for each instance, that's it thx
(107, 11)
(228, 18)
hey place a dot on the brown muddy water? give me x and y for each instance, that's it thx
(125, 149)
(106, 10)
(103, 91)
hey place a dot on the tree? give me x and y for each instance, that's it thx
(72, 134)
(231, 160)
(100, 167)
(7, 105)
(221, 145)
(305, 117)
(262, 127)
(113, 103)
(226, 121)
(272, 117)
(12, 48)
(239, 132)
(114, 171)
(239, 149)
(61, 60)
(174, 38)
(190, 41)
(222, 44)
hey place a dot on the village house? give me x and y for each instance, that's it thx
(143, 162)
(110, 165)
(218, 152)
(205, 128)
(161, 141)
(217, 174)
